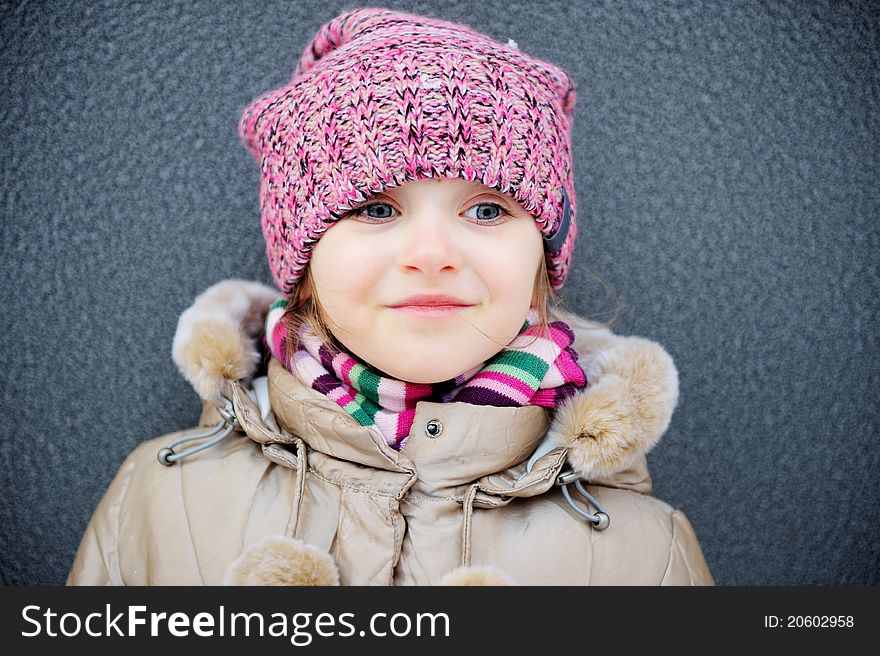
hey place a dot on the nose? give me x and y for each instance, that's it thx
(429, 244)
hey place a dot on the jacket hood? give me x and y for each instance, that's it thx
(605, 430)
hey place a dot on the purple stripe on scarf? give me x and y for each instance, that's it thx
(326, 357)
(325, 384)
(482, 396)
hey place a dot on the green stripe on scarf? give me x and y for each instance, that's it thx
(527, 363)
(365, 381)
(368, 406)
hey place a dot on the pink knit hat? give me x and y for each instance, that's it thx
(381, 97)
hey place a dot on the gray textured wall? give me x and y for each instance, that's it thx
(727, 171)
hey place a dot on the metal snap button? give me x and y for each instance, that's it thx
(433, 428)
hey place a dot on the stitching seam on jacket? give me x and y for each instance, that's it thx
(353, 488)
(398, 541)
(253, 496)
(419, 497)
(115, 550)
(312, 472)
(671, 549)
(179, 472)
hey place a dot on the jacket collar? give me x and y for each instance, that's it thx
(475, 441)
(604, 431)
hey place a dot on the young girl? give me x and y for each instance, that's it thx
(413, 408)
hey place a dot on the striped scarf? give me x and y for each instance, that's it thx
(533, 369)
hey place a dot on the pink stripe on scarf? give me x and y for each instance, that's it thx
(341, 396)
(559, 336)
(571, 371)
(505, 379)
(346, 364)
(545, 398)
(506, 390)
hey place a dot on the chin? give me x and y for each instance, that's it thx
(430, 376)
(422, 378)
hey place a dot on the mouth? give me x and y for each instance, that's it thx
(432, 306)
(430, 311)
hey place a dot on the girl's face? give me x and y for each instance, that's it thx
(441, 236)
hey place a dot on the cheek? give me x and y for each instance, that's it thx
(510, 272)
(343, 268)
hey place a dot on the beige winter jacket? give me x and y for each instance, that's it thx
(300, 493)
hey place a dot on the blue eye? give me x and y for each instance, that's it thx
(489, 212)
(375, 211)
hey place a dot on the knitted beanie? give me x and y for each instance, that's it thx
(381, 97)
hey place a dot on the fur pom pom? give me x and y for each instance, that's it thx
(623, 412)
(277, 560)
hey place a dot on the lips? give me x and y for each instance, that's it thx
(431, 300)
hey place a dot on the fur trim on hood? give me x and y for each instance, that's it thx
(626, 407)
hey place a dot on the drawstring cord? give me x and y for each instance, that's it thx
(229, 422)
(168, 456)
(600, 519)
(468, 503)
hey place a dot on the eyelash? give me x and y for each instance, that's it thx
(358, 210)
